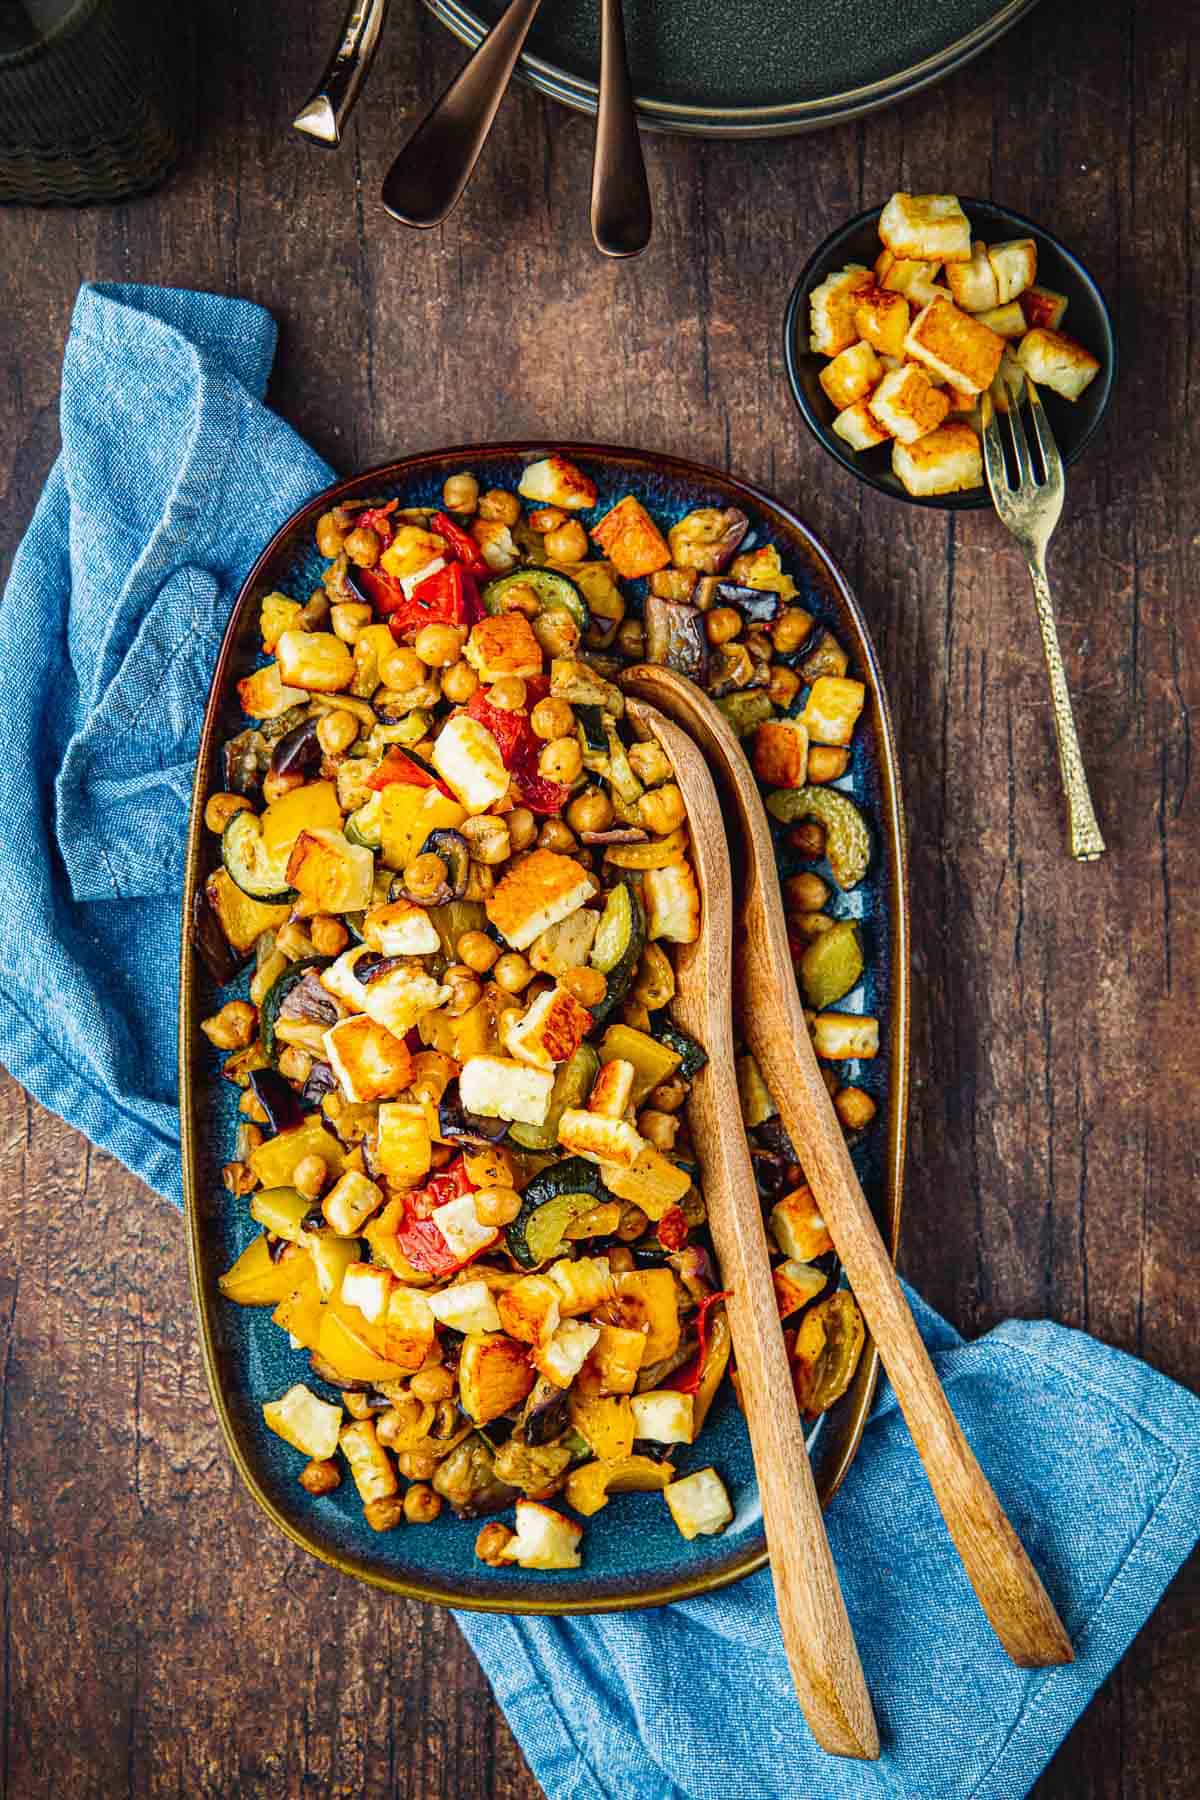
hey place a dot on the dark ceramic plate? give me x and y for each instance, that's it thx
(633, 1554)
(763, 68)
(1087, 319)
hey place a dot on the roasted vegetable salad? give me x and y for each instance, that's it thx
(460, 876)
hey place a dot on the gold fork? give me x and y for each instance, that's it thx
(1031, 510)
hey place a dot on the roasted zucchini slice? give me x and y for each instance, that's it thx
(552, 589)
(572, 1085)
(847, 840)
(560, 1194)
(618, 944)
(249, 864)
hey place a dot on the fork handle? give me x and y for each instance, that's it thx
(1082, 829)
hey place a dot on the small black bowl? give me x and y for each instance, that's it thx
(1087, 320)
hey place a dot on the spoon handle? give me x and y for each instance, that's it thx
(817, 1636)
(427, 179)
(621, 215)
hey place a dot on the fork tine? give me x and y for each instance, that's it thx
(1051, 460)
(993, 449)
(1020, 444)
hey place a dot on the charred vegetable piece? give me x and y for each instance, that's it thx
(831, 965)
(591, 718)
(675, 637)
(707, 538)
(552, 589)
(828, 1346)
(618, 944)
(572, 1085)
(248, 863)
(758, 606)
(245, 761)
(298, 751)
(561, 1193)
(280, 1102)
(462, 1127)
(847, 840)
(210, 943)
(321, 1081)
(692, 1056)
(824, 657)
(467, 1480)
(279, 991)
(455, 852)
(746, 711)
(547, 1412)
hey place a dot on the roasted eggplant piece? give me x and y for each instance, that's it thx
(591, 718)
(758, 606)
(321, 1081)
(747, 709)
(455, 852)
(547, 1412)
(731, 668)
(621, 834)
(467, 1480)
(298, 752)
(707, 538)
(282, 1001)
(375, 965)
(245, 761)
(463, 1127)
(210, 943)
(281, 1103)
(675, 637)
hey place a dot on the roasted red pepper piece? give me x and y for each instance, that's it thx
(383, 591)
(447, 597)
(687, 1379)
(460, 543)
(673, 1229)
(519, 747)
(400, 765)
(541, 796)
(377, 519)
(419, 1238)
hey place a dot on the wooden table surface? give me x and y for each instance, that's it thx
(158, 1639)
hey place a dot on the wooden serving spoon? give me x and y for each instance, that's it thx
(1007, 1584)
(820, 1646)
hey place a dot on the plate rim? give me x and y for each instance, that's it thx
(785, 119)
(891, 827)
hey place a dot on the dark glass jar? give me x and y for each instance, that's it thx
(91, 97)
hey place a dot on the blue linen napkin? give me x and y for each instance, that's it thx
(172, 477)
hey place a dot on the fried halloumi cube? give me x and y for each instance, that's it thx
(599, 1138)
(529, 1309)
(851, 374)
(973, 284)
(544, 1539)
(499, 1087)
(672, 902)
(614, 1360)
(898, 272)
(401, 928)
(583, 1284)
(497, 546)
(631, 540)
(504, 645)
(460, 1227)
(402, 997)
(1015, 267)
(781, 753)
(544, 889)
(466, 1306)
(906, 404)
(467, 757)
(566, 945)
(832, 709)
(370, 1062)
(858, 426)
(562, 1357)
(954, 345)
(315, 660)
(699, 1503)
(831, 310)
(948, 460)
(612, 1089)
(1057, 362)
(798, 1228)
(795, 1284)
(341, 980)
(264, 695)
(405, 1145)
(881, 320)
(549, 1031)
(1043, 307)
(1006, 321)
(926, 228)
(493, 1374)
(556, 482)
(1008, 389)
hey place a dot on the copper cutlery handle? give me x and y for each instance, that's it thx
(621, 215)
(323, 117)
(427, 179)
(1086, 842)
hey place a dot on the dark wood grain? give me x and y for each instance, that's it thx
(157, 1639)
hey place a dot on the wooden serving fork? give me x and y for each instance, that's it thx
(821, 1652)
(1005, 1581)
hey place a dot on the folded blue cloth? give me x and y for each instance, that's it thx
(172, 477)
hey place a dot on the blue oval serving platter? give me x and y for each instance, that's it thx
(633, 1555)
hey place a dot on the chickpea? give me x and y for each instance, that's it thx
(295, 1064)
(633, 1224)
(590, 811)
(561, 761)
(669, 1095)
(854, 1107)
(439, 645)
(330, 537)
(401, 669)
(547, 518)
(620, 1259)
(783, 686)
(827, 764)
(233, 1027)
(588, 986)
(790, 629)
(357, 1405)
(464, 990)
(223, 807)
(497, 1205)
(275, 786)
(399, 1419)
(238, 1179)
(320, 1477)
(556, 835)
(487, 836)
(425, 876)
(500, 505)
(522, 827)
(722, 623)
(631, 639)
(418, 1465)
(808, 839)
(491, 1543)
(566, 543)
(477, 951)
(310, 1176)
(556, 631)
(809, 925)
(384, 1515)
(421, 1504)
(316, 611)
(805, 893)
(552, 718)
(513, 973)
(658, 1128)
(508, 693)
(336, 731)
(460, 493)
(363, 546)
(521, 598)
(459, 682)
(432, 1385)
(349, 619)
(662, 809)
(481, 883)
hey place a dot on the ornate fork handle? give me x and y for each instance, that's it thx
(1083, 830)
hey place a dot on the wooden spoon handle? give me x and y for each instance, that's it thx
(1009, 1587)
(817, 1637)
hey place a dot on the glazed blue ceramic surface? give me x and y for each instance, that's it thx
(632, 1551)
